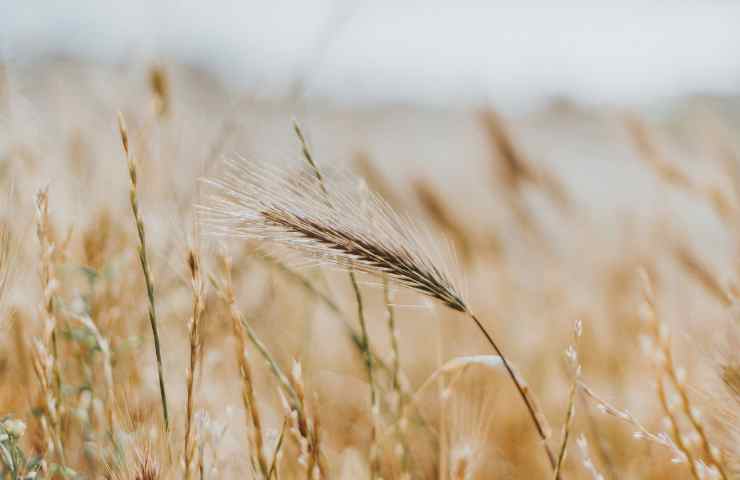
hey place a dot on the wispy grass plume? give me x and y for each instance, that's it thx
(354, 228)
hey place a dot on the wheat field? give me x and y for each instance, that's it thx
(199, 283)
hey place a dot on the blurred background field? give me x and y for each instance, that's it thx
(553, 193)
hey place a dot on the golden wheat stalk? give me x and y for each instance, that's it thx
(144, 260)
(248, 398)
(198, 288)
(676, 399)
(43, 366)
(365, 338)
(572, 355)
(641, 431)
(47, 350)
(398, 403)
(338, 221)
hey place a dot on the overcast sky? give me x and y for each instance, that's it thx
(438, 52)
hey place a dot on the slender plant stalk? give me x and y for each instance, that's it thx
(43, 367)
(49, 283)
(360, 232)
(443, 446)
(379, 365)
(242, 331)
(50, 375)
(143, 259)
(195, 349)
(572, 353)
(400, 404)
(667, 375)
(355, 336)
(374, 405)
(250, 402)
(365, 339)
(226, 292)
(248, 398)
(523, 390)
(276, 454)
(307, 429)
(624, 415)
(319, 458)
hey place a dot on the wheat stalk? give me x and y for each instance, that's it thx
(198, 288)
(572, 355)
(144, 260)
(398, 393)
(43, 366)
(640, 432)
(337, 221)
(669, 374)
(294, 404)
(364, 337)
(47, 350)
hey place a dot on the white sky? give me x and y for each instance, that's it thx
(437, 52)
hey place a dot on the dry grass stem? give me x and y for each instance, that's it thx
(575, 364)
(226, 292)
(640, 432)
(364, 338)
(277, 453)
(46, 354)
(144, 260)
(672, 391)
(256, 438)
(398, 398)
(198, 288)
(337, 222)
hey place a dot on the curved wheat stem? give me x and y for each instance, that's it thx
(336, 220)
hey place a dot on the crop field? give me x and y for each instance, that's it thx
(199, 283)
